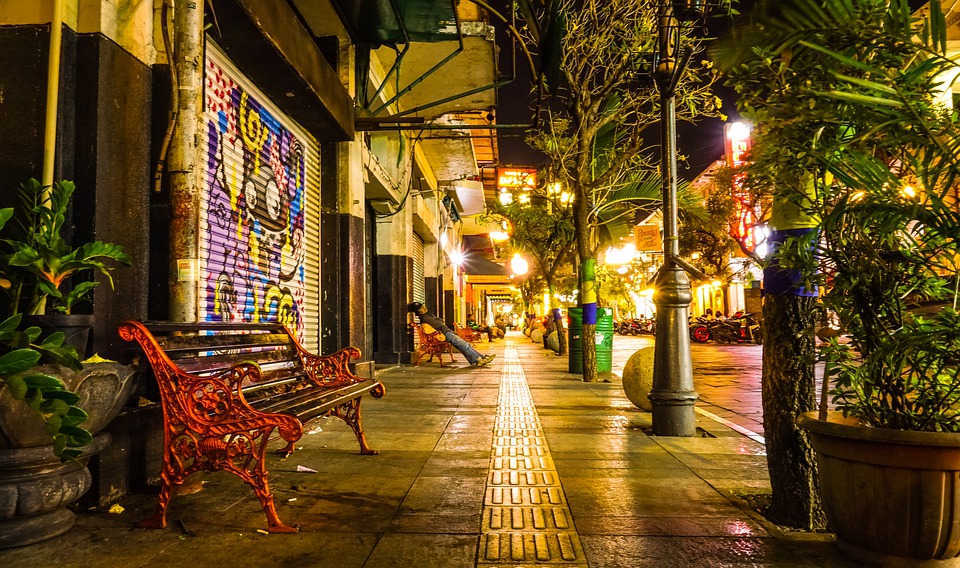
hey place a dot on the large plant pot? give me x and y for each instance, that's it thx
(35, 487)
(103, 388)
(891, 496)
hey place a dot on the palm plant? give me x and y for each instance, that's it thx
(889, 231)
(850, 139)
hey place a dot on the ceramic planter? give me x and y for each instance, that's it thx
(890, 495)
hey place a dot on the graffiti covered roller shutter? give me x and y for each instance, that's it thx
(259, 208)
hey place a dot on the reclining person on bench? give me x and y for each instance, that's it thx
(426, 318)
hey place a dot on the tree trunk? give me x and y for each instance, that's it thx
(561, 336)
(589, 352)
(788, 390)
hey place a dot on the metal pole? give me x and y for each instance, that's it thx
(673, 395)
(53, 95)
(187, 63)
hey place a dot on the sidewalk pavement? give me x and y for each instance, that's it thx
(517, 463)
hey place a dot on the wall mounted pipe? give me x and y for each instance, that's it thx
(53, 94)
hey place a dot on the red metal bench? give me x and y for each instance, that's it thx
(469, 335)
(431, 344)
(225, 388)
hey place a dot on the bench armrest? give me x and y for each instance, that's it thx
(216, 402)
(331, 370)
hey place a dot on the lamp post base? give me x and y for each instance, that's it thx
(673, 396)
(673, 413)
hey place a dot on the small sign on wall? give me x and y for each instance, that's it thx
(648, 238)
(188, 269)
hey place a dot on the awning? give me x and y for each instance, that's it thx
(477, 265)
(376, 21)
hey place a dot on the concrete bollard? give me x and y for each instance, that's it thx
(638, 378)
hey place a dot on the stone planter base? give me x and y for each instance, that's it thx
(35, 489)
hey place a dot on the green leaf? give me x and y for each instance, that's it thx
(53, 424)
(77, 436)
(53, 407)
(873, 85)
(16, 387)
(863, 99)
(18, 360)
(43, 382)
(75, 417)
(55, 339)
(5, 215)
(33, 333)
(68, 397)
(59, 445)
(11, 323)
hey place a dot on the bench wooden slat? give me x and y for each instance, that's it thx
(220, 362)
(194, 343)
(311, 402)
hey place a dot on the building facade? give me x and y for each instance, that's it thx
(302, 161)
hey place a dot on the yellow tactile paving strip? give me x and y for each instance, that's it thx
(526, 520)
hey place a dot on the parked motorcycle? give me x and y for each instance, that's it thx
(750, 328)
(636, 326)
(700, 329)
(648, 325)
(727, 331)
(743, 328)
(626, 327)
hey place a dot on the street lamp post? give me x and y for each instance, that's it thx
(673, 395)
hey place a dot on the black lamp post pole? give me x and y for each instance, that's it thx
(673, 395)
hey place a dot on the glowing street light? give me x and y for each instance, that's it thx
(519, 265)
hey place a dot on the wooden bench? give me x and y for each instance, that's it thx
(471, 336)
(431, 344)
(225, 388)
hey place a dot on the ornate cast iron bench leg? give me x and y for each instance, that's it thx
(349, 412)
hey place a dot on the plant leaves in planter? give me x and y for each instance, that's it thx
(18, 360)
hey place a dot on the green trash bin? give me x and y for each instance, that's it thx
(575, 342)
(603, 340)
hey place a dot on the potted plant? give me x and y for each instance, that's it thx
(39, 265)
(885, 252)
(51, 404)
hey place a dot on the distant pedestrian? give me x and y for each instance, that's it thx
(473, 356)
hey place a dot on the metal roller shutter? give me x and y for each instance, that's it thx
(419, 294)
(418, 285)
(260, 210)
